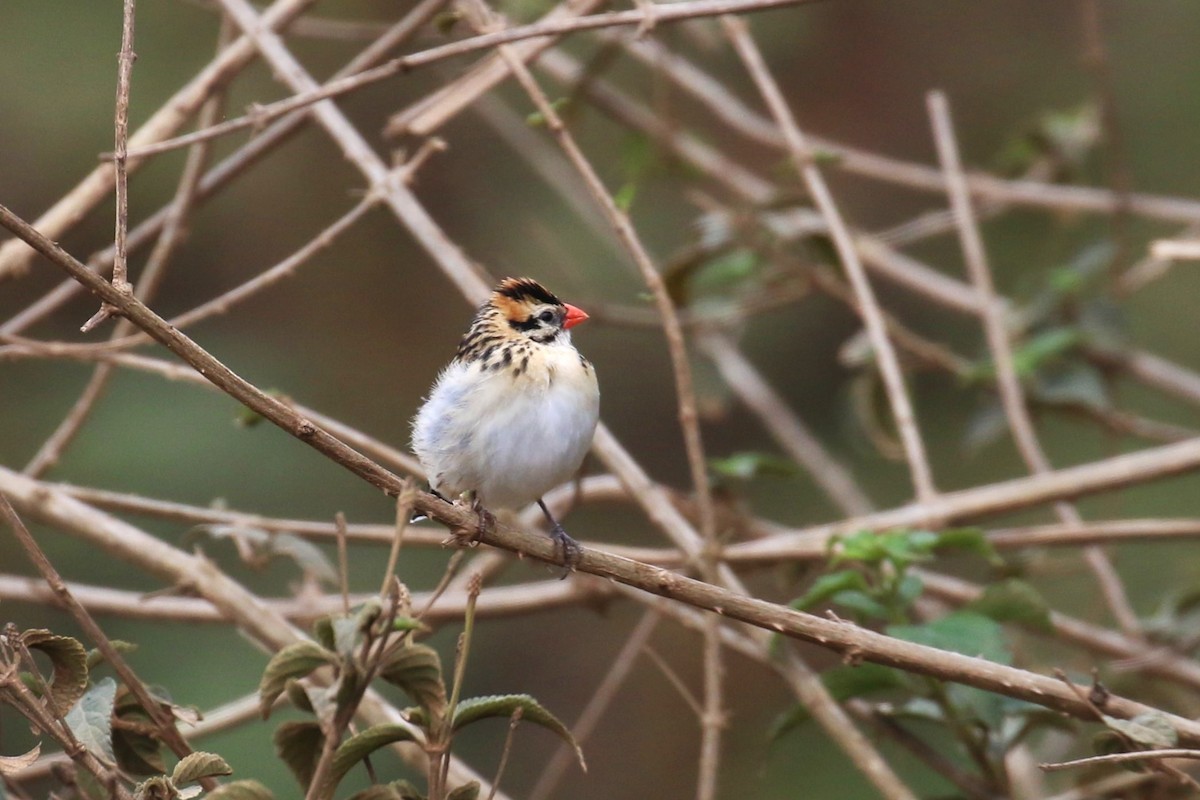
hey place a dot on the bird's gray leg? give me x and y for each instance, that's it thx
(571, 551)
(487, 520)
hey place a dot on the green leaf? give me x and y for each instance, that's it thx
(863, 546)
(861, 603)
(639, 156)
(727, 270)
(745, 466)
(408, 624)
(68, 660)
(919, 708)
(973, 635)
(537, 119)
(417, 670)
(1043, 348)
(197, 766)
(361, 745)
(240, 790)
(910, 589)
(906, 547)
(963, 632)
(11, 765)
(1072, 384)
(1151, 730)
(95, 658)
(348, 688)
(348, 631)
(307, 556)
(477, 708)
(973, 540)
(396, 790)
(468, 791)
(445, 21)
(299, 696)
(829, 585)
(843, 683)
(323, 632)
(625, 196)
(299, 744)
(90, 719)
(137, 753)
(294, 661)
(1014, 600)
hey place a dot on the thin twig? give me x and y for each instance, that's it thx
(125, 61)
(1121, 758)
(404, 506)
(339, 520)
(513, 720)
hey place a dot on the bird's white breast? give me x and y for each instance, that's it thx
(509, 437)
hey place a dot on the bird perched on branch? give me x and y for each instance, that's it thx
(513, 414)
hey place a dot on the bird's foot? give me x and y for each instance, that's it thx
(472, 536)
(570, 549)
(487, 522)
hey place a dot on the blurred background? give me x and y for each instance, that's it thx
(360, 331)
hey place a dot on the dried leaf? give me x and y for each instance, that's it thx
(68, 659)
(11, 765)
(199, 765)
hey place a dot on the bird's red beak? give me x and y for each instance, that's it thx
(575, 315)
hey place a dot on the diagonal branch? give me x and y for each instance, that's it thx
(1011, 394)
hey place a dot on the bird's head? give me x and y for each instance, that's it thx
(531, 310)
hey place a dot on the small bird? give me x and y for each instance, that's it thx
(513, 414)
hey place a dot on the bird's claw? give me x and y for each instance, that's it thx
(487, 523)
(570, 549)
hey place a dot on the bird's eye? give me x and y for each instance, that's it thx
(546, 316)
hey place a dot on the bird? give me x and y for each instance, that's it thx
(513, 413)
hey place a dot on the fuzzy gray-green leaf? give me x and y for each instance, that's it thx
(299, 744)
(362, 744)
(477, 708)
(294, 661)
(417, 670)
(90, 719)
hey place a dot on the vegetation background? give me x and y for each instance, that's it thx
(360, 331)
